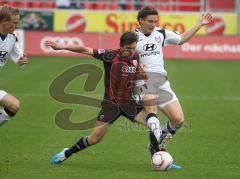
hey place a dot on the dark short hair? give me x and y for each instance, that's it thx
(128, 38)
(6, 11)
(146, 11)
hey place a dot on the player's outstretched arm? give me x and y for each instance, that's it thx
(23, 60)
(203, 20)
(78, 49)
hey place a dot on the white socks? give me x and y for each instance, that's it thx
(154, 124)
(170, 128)
(4, 117)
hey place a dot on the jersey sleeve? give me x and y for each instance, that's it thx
(172, 37)
(16, 53)
(104, 55)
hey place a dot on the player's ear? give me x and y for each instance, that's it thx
(141, 20)
(4, 21)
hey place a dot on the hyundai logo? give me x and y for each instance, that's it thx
(149, 47)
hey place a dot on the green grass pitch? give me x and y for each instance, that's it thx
(206, 147)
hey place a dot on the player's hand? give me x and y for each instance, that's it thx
(23, 60)
(141, 68)
(141, 73)
(53, 44)
(205, 19)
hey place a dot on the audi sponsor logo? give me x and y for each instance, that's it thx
(100, 51)
(149, 47)
(76, 41)
(128, 69)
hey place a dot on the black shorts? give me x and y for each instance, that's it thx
(111, 111)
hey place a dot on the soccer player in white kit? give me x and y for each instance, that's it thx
(9, 20)
(157, 90)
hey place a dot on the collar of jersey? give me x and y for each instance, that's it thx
(3, 36)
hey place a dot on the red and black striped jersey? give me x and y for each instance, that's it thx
(120, 74)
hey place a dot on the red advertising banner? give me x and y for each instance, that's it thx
(34, 42)
(206, 48)
(214, 48)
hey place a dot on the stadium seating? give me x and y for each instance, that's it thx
(12, 3)
(193, 5)
(29, 4)
(162, 5)
(217, 5)
(36, 5)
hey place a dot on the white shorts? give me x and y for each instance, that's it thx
(164, 94)
(2, 94)
(166, 87)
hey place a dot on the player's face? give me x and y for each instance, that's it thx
(147, 25)
(12, 24)
(128, 50)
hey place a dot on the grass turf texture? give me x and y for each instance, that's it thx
(206, 147)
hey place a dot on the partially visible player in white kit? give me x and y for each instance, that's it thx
(9, 20)
(151, 41)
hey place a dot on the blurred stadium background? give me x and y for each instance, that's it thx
(100, 23)
(204, 73)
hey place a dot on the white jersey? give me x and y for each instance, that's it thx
(9, 48)
(150, 48)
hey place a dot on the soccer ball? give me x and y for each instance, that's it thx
(162, 161)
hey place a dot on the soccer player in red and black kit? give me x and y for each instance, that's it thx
(122, 69)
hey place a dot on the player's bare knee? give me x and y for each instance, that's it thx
(178, 121)
(15, 106)
(150, 103)
(151, 109)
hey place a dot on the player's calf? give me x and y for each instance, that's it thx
(154, 125)
(9, 106)
(168, 130)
